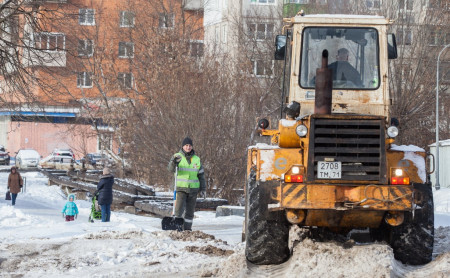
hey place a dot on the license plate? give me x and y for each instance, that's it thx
(329, 170)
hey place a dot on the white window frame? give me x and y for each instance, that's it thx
(84, 80)
(224, 33)
(405, 5)
(296, 2)
(403, 36)
(255, 68)
(123, 76)
(197, 43)
(264, 2)
(89, 17)
(37, 38)
(123, 20)
(372, 4)
(168, 18)
(85, 48)
(444, 71)
(256, 33)
(101, 144)
(217, 34)
(126, 46)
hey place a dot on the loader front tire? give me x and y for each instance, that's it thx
(266, 234)
(413, 241)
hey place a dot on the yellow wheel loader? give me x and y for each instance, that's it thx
(332, 162)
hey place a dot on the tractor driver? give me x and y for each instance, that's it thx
(343, 70)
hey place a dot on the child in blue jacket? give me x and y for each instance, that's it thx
(70, 210)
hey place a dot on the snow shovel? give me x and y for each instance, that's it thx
(172, 222)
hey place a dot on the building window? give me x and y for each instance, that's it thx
(104, 142)
(224, 34)
(126, 80)
(126, 50)
(261, 68)
(261, 31)
(373, 4)
(404, 37)
(269, 1)
(196, 48)
(438, 37)
(85, 48)
(50, 41)
(217, 34)
(406, 5)
(295, 1)
(445, 71)
(84, 80)
(126, 19)
(166, 20)
(86, 17)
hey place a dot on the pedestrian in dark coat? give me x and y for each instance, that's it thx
(105, 195)
(15, 183)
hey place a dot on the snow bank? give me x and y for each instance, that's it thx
(135, 246)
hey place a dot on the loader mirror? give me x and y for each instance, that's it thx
(392, 47)
(280, 47)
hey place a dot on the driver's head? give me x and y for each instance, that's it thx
(342, 54)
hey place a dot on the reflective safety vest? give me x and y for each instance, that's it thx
(187, 173)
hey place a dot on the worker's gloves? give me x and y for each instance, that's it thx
(76, 216)
(176, 159)
(63, 215)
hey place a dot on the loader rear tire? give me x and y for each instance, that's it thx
(267, 234)
(413, 241)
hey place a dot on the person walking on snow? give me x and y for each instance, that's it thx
(190, 181)
(15, 183)
(105, 195)
(70, 210)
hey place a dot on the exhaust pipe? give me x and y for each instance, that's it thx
(324, 85)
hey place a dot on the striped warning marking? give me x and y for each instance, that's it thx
(293, 194)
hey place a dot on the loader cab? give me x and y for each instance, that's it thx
(359, 48)
(354, 57)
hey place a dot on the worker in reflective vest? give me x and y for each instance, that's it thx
(190, 181)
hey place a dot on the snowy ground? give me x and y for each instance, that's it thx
(35, 241)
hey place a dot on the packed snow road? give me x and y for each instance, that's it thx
(35, 241)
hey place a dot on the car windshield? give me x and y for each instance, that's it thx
(353, 56)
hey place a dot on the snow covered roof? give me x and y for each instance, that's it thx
(341, 19)
(404, 148)
(441, 143)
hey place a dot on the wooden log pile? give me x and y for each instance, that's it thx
(141, 196)
(164, 207)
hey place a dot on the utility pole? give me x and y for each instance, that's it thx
(437, 186)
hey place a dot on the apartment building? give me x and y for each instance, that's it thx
(86, 55)
(234, 26)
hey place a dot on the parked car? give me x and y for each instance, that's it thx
(27, 158)
(63, 152)
(4, 156)
(56, 160)
(97, 159)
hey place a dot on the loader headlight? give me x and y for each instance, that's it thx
(301, 130)
(392, 131)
